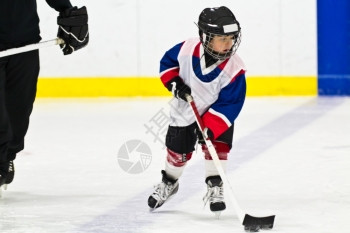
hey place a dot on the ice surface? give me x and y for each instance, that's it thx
(291, 157)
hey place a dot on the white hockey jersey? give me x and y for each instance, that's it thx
(218, 91)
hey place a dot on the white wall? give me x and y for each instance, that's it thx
(128, 37)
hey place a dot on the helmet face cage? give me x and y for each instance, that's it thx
(218, 22)
(207, 37)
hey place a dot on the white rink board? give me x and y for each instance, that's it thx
(129, 37)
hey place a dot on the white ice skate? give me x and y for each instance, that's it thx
(215, 195)
(2, 186)
(163, 191)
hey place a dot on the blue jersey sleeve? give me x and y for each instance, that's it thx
(225, 110)
(169, 65)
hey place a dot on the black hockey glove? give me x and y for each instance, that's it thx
(73, 29)
(178, 88)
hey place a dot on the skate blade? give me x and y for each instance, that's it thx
(217, 214)
(4, 186)
(156, 206)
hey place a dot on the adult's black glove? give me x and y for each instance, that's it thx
(178, 88)
(73, 29)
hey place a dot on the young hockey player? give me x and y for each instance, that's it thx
(19, 73)
(209, 69)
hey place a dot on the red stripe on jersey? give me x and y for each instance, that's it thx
(169, 75)
(238, 74)
(196, 52)
(223, 64)
(215, 124)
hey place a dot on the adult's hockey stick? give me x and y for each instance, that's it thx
(31, 47)
(250, 223)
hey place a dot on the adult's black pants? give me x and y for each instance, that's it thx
(18, 81)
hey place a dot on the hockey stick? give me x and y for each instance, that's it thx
(31, 47)
(250, 223)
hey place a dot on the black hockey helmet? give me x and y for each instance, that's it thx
(218, 21)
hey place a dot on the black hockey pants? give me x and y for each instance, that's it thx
(18, 80)
(183, 139)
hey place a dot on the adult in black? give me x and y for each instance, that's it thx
(19, 26)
